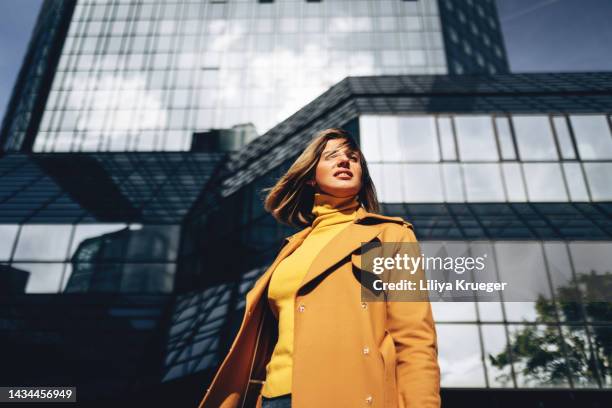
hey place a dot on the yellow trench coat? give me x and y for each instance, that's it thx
(347, 353)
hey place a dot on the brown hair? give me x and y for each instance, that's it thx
(291, 199)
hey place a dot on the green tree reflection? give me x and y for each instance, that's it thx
(579, 351)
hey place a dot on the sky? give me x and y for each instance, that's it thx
(540, 36)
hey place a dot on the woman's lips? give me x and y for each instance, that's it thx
(344, 174)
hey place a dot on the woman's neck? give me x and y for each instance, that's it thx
(330, 210)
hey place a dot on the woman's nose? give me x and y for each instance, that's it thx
(343, 161)
(343, 157)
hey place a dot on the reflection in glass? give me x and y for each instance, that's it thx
(513, 179)
(388, 128)
(513, 259)
(544, 182)
(589, 361)
(538, 356)
(119, 278)
(43, 242)
(591, 257)
(369, 138)
(147, 278)
(504, 135)
(534, 138)
(43, 277)
(418, 138)
(392, 176)
(7, 240)
(460, 355)
(559, 264)
(563, 137)
(376, 173)
(422, 183)
(593, 138)
(447, 140)
(112, 243)
(153, 243)
(483, 182)
(575, 181)
(598, 177)
(453, 183)
(454, 311)
(494, 342)
(490, 311)
(476, 138)
(83, 232)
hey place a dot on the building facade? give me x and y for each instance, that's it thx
(519, 162)
(146, 75)
(123, 156)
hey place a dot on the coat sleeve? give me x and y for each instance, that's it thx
(411, 326)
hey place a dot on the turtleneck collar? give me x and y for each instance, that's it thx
(330, 210)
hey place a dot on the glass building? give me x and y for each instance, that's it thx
(145, 75)
(125, 181)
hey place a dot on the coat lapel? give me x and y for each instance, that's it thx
(342, 245)
(291, 243)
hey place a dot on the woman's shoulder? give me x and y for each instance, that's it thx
(369, 218)
(391, 228)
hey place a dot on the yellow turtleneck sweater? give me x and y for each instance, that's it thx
(332, 215)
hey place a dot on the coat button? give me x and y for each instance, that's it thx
(301, 308)
(366, 350)
(364, 305)
(369, 399)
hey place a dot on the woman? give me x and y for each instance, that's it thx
(307, 339)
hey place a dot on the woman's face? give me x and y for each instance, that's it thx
(338, 172)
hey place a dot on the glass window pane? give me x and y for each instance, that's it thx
(490, 311)
(447, 139)
(390, 142)
(43, 277)
(7, 240)
(513, 260)
(495, 341)
(369, 138)
(505, 138)
(564, 138)
(422, 183)
(559, 264)
(376, 174)
(418, 138)
(591, 257)
(86, 236)
(147, 278)
(43, 242)
(538, 355)
(119, 277)
(514, 181)
(460, 355)
(483, 182)
(534, 138)
(392, 183)
(578, 347)
(575, 182)
(598, 177)
(544, 182)
(476, 138)
(153, 243)
(592, 136)
(453, 311)
(453, 183)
